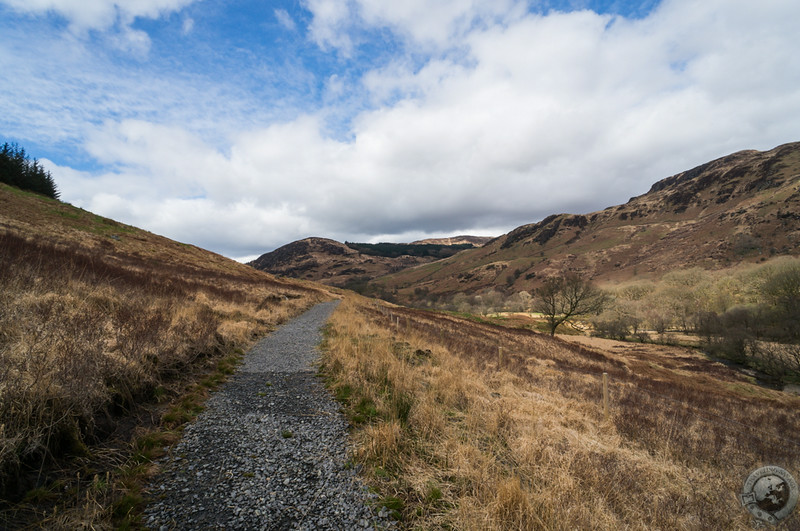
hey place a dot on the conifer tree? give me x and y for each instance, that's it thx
(17, 170)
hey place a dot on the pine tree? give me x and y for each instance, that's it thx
(17, 170)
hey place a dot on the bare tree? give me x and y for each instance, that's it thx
(562, 298)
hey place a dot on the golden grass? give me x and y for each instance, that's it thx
(89, 340)
(450, 439)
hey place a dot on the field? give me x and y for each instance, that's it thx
(473, 426)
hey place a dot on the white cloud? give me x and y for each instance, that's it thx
(437, 23)
(187, 26)
(285, 19)
(331, 22)
(134, 42)
(421, 23)
(82, 14)
(536, 114)
(98, 14)
(166, 161)
(63, 85)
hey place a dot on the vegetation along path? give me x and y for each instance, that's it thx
(269, 451)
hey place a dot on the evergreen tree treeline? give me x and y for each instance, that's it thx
(18, 170)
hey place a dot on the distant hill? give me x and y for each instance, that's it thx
(744, 207)
(347, 264)
(474, 241)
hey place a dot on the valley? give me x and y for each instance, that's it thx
(739, 209)
(462, 414)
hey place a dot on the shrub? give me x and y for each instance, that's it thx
(613, 328)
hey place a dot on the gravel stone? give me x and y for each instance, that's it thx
(270, 450)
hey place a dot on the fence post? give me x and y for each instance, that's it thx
(499, 358)
(605, 395)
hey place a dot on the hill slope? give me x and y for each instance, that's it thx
(488, 427)
(335, 263)
(101, 326)
(743, 207)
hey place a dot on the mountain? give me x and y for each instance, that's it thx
(742, 207)
(345, 264)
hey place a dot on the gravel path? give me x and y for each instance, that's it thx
(269, 451)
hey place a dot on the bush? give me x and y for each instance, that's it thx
(615, 328)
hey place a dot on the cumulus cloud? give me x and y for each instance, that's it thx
(536, 113)
(330, 25)
(437, 23)
(421, 23)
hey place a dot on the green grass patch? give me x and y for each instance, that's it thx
(159, 393)
(394, 505)
(213, 381)
(365, 411)
(69, 214)
(153, 445)
(343, 393)
(381, 472)
(125, 511)
(433, 493)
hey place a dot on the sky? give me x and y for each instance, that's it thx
(243, 125)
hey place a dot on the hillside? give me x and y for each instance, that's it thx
(110, 339)
(475, 241)
(466, 425)
(51, 222)
(744, 207)
(108, 332)
(346, 264)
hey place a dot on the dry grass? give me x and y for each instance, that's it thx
(96, 340)
(450, 439)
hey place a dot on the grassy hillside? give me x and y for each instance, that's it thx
(454, 432)
(106, 333)
(742, 208)
(343, 265)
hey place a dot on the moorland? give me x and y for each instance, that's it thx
(462, 416)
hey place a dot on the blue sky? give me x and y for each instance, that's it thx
(241, 126)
